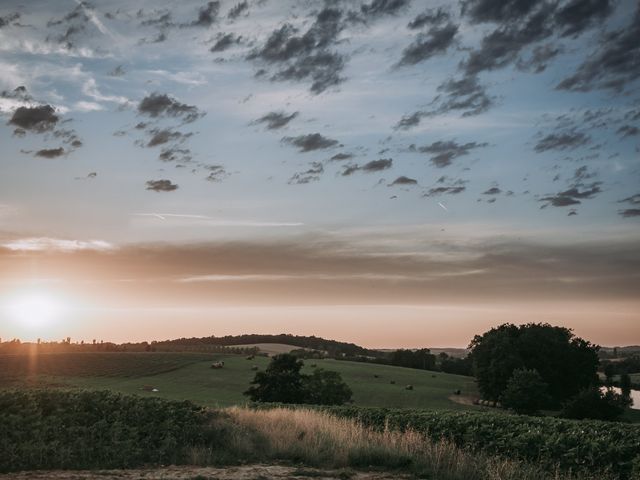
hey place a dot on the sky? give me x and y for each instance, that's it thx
(394, 173)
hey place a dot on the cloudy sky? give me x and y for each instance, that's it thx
(388, 172)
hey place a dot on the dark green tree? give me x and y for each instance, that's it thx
(283, 382)
(325, 387)
(609, 372)
(280, 382)
(566, 363)
(526, 392)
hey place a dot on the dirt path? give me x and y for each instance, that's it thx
(247, 472)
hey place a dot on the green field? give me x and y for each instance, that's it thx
(188, 376)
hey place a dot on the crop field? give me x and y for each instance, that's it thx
(188, 376)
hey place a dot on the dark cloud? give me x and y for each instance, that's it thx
(561, 141)
(157, 105)
(428, 18)
(377, 165)
(409, 121)
(632, 200)
(379, 8)
(342, 156)
(492, 191)
(628, 131)
(443, 153)
(572, 213)
(349, 170)
(18, 93)
(175, 154)
(451, 190)
(502, 46)
(614, 65)
(160, 18)
(629, 212)
(36, 119)
(498, 11)
(161, 186)
(207, 15)
(435, 42)
(402, 180)
(7, 19)
(466, 94)
(216, 173)
(308, 176)
(576, 16)
(572, 196)
(238, 10)
(276, 120)
(160, 137)
(225, 41)
(312, 141)
(582, 173)
(50, 152)
(307, 56)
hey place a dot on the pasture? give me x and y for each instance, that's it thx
(188, 376)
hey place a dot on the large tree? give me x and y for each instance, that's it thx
(566, 363)
(283, 382)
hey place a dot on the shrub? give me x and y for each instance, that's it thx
(526, 392)
(595, 404)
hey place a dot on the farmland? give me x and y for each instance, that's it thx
(188, 376)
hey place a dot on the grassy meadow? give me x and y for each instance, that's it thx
(188, 376)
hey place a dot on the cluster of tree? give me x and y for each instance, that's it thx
(536, 366)
(283, 382)
(455, 365)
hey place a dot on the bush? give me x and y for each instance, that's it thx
(595, 404)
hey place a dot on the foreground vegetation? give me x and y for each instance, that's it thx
(43, 429)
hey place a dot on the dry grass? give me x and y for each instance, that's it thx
(321, 440)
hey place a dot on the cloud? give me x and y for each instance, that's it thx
(160, 137)
(572, 196)
(492, 191)
(40, 244)
(216, 172)
(223, 42)
(402, 180)
(576, 16)
(377, 165)
(341, 156)
(628, 131)
(38, 119)
(481, 11)
(161, 186)
(158, 105)
(119, 71)
(633, 199)
(50, 152)
(409, 121)
(175, 154)
(629, 212)
(444, 152)
(276, 120)
(466, 94)
(7, 19)
(429, 17)
(378, 8)
(310, 175)
(310, 142)
(614, 65)
(451, 190)
(306, 56)
(435, 42)
(207, 15)
(238, 9)
(561, 141)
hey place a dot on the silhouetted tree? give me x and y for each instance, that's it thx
(567, 364)
(283, 382)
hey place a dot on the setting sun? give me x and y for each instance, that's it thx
(34, 309)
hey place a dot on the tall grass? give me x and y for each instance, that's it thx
(321, 440)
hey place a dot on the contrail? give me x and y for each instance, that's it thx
(95, 20)
(220, 223)
(443, 207)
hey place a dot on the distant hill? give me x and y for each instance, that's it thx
(270, 348)
(332, 347)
